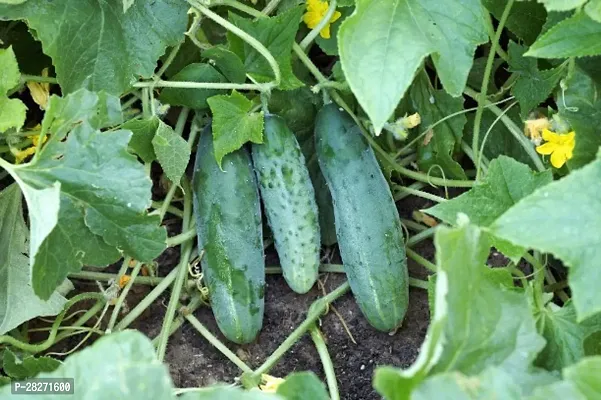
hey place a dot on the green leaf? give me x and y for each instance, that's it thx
(383, 43)
(433, 105)
(173, 152)
(27, 367)
(127, 4)
(87, 196)
(227, 62)
(12, 1)
(193, 98)
(303, 385)
(143, 131)
(525, 20)
(507, 182)
(18, 303)
(234, 124)
(577, 36)
(593, 9)
(478, 335)
(118, 366)
(592, 344)
(12, 113)
(554, 216)
(562, 5)
(493, 383)
(468, 335)
(10, 70)
(532, 86)
(277, 35)
(330, 46)
(565, 336)
(117, 48)
(581, 382)
(580, 105)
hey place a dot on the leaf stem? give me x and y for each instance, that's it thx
(513, 128)
(217, 343)
(39, 347)
(420, 260)
(194, 304)
(322, 24)
(122, 296)
(315, 311)
(35, 78)
(487, 74)
(326, 361)
(181, 238)
(419, 193)
(199, 85)
(270, 7)
(181, 274)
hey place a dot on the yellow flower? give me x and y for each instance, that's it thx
(316, 10)
(40, 92)
(560, 147)
(23, 154)
(534, 127)
(270, 383)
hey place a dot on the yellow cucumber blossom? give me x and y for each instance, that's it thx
(23, 154)
(316, 10)
(40, 92)
(270, 383)
(560, 147)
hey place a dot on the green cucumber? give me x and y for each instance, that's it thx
(228, 223)
(289, 201)
(368, 226)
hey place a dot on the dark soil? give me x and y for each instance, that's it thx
(195, 362)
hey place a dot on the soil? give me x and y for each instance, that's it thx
(194, 362)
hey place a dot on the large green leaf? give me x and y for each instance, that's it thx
(277, 35)
(143, 131)
(532, 86)
(433, 105)
(119, 366)
(507, 182)
(577, 36)
(227, 62)
(581, 382)
(93, 44)
(478, 322)
(10, 70)
(234, 124)
(18, 303)
(554, 219)
(562, 5)
(384, 42)
(87, 196)
(565, 336)
(593, 9)
(193, 98)
(580, 105)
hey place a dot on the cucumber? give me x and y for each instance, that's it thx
(228, 223)
(289, 202)
(368, 226)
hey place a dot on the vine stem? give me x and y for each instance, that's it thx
(122, 296)
(39, 347)
(217, 343)
(200, 85)
(270, 7)
(248, 39)
(182, 271)
(315, 311)
(481, 157)
(326, 361)
(322, 24)
(513, 128)
(194, 304)
(420, 260)
(487, 74)
(419, 193)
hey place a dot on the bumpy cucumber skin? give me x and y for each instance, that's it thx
(289, 202)
(368, 226)
(228, 222)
